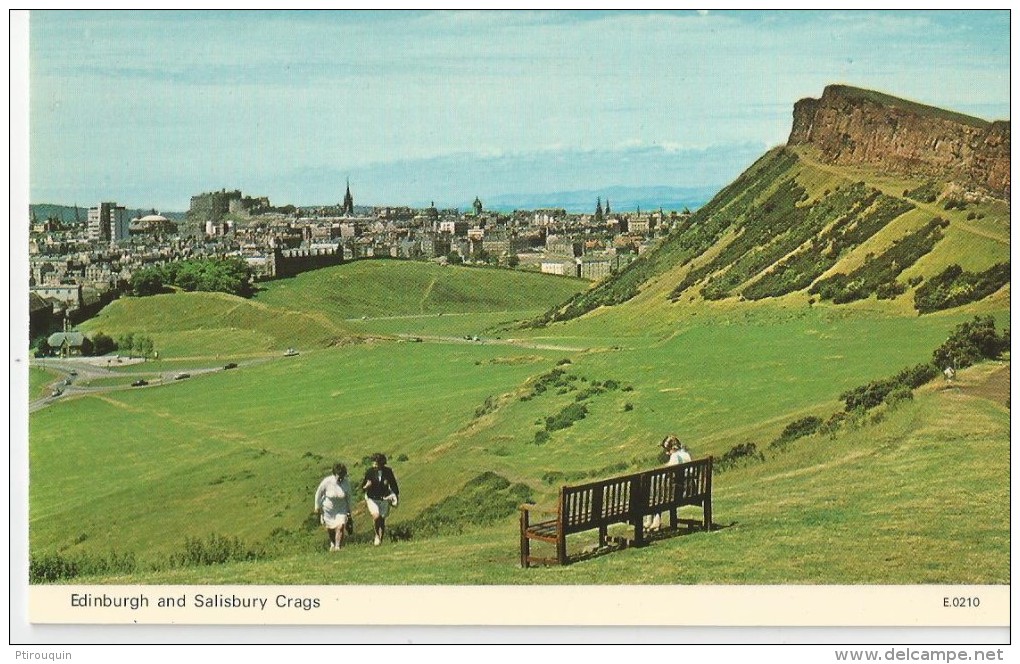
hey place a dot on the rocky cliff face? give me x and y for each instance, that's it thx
(852, 126)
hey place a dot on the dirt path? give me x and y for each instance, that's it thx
(994, 386)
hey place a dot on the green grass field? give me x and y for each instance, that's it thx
(238, 453)
(39, 381)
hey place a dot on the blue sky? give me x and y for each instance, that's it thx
(148, 108)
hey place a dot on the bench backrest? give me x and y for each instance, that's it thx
(672, 486)
(625, 498)
(590, 505)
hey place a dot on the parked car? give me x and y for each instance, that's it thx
(139, 383)
(73, 372)
(182, 376)
(291, 352)
(231, 365)
(57, 392)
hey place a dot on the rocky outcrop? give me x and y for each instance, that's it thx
(852, 126)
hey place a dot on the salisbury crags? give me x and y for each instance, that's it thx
(852, 126)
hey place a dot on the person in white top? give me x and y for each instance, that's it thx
(332, 504)
(678, 454)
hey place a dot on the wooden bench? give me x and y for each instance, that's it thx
(627, 499)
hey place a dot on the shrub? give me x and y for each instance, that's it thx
(738, 454)
(953, 287)
(541, 437)
(566, 417)
(51, 567)
(970, 343)
(898, 396)
(797, 429)
(486, 498)
(489, 406)
(874, 393)
(55, 567)
(213, 550)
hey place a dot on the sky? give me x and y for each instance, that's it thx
(150, 108)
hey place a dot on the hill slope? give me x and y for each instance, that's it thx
(844, 213)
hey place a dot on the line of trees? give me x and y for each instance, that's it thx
(224, 275)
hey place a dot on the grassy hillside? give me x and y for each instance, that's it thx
(209, 325)
(791, 226)
(238, 454)
(324, 307)
(399, 288)
(873, 504)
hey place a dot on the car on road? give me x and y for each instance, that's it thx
(230, 365)
(182, 376)
(57, 392)
(73, 372)
(291, 352)
(140, 383)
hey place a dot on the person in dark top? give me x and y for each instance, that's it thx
(381, 492)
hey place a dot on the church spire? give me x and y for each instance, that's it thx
(598, 209)
(348, 206)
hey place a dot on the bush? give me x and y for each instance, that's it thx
(970, 343)
(103, 344)
(541, 437)
(55, 567)
(486, 498)
(489, 406)
(737, 454)
(213, 550)
(566, 417)
(898, 396)
(954, 287)
(874, 393)
(797, 429)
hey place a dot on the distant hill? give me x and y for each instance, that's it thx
(621, 199)
(873, 197)
(66, 213)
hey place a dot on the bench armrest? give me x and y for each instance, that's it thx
(527, 507)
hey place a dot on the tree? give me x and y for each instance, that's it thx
(102, 344)
(43, 348)
(144, 346)
(126, 342)
(513, 260)
(147, 281)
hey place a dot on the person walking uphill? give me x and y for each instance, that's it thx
(381, 491)
(332, 503)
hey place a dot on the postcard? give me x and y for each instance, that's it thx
(514, 318)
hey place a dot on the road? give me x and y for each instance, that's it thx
(87, 369)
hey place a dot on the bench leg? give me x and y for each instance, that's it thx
(525, 542)
(561, 548)
(603, 535)
(639, 532)
(708, 514)
(673, 519)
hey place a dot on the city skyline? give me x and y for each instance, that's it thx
(149, 108)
